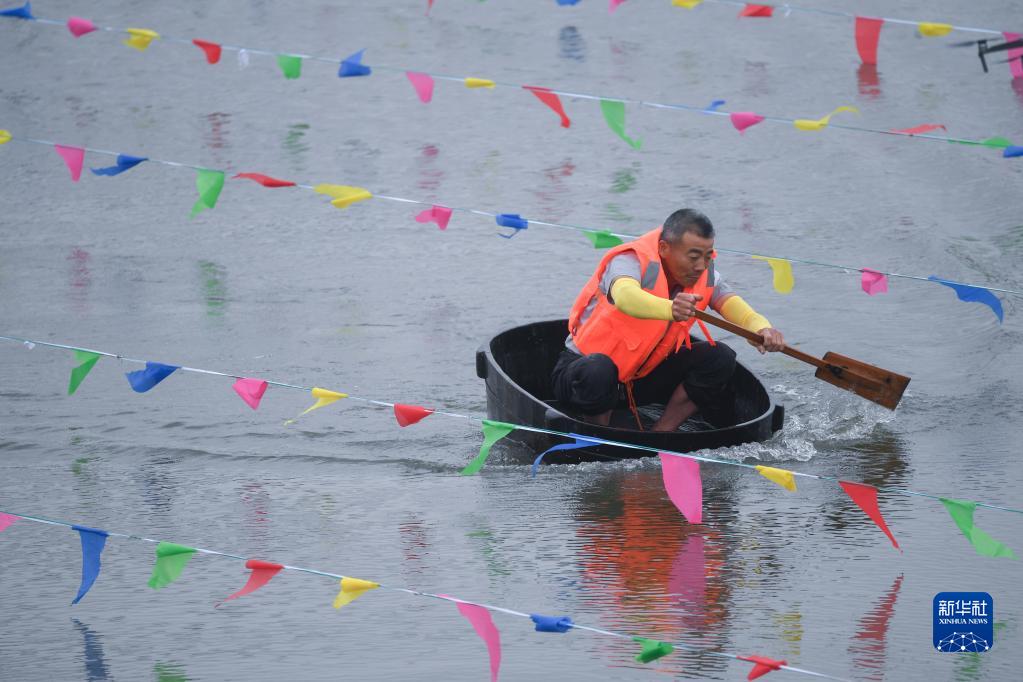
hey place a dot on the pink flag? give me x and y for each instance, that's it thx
(1015, 54)
(436, 214)
(917, 130)
(612, 5)
(868, 31)
(873, 282)
(751, 10)
(429, 6)
(865, 497)
(250, 390)
(73, 157)
(682, 481)
(744, 119)
(423, 83)
(6, 520)
(262, 571)
(484, 626)
(79, 26)
(552, 100)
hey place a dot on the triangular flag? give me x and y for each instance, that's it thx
(761, 665)
(931, 29)
(612, 5)
(552, 100)
(484, 626)
(479, 83)
(352, 589)
(782, 477)
(343, 195)
(744, 119)
(250, 390)
(512, 220)
(5, 136)
(551, 623)
(868, 31)
(580, 442)
(972, 294)
(410, 414)
(614, 114)
(323, 398)
(144, 379)
(85, 360)
(435, 214)
(865, 497)
(652, 649)
(873, 282)
(79, 26)
(782, 272)
(93, 541)
(997, 142)
(961, 512)
(124, 163)
(423, 84)
(140, 38)
(352, 66)
(73, 157)
(262, 572)
(212, 50)
(688, 4)
(714, 106)
(602, 239)
(429, 6)
(23, 12)
(170, 562)
(682, 482)
(492, 432)
(920, 129)
(821, 123)
(1012, 151)
(751, 10)
(264, 180)
(291, 65)
(6, 520)
(1015, 55)
(209, 183)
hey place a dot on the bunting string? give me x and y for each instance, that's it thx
(351, 588)
(210, 184)
(612, 106)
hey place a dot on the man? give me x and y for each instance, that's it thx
(630, 325)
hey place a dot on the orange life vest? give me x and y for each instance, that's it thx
(636, 346)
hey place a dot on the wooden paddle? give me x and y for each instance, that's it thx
(870, 382)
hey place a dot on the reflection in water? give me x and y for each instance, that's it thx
(484, 539)
(429, 175)
(92, 653)
(970, 663)
(624, 180)
(415, 544)
(571, 44)
(552, 196)
(256, 501)
(869, 644)
(869, 81)
(756, 80)
(214, 289)
(84, 116)
(294, 146)
(79, 280)
(170, 672)
(216, 137)
(1017, 87)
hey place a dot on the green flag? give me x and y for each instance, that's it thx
(614, 114)
(997, 142)
(291, 66)
(602, 239)
(85, 361)
(209, 183)
(652, 649)
(961, 512)
(492, 432)
(170, 562)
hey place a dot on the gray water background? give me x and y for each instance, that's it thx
(278, 284)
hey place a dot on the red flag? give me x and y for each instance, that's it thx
(410, 414)
(865, 497)
(925, 128)
(751, 10)
(212, 50)
(868, 31)
(265, 180)
(552, 100)
(763, 665)
(262, 571)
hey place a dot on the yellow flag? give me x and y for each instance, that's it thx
(343, 195)
(782, 269)
(352, 589)
(323, 398)
(5, 136)
(139, 38)
(821, 123)
(933, 30)
(688, 4)
(478, 83)
(782, 477)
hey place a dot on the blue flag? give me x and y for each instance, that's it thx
(124, 162)
(714, 105)
(23, 12)
(972, 294)
(512, 220)
(144, 379)
(1012, 151)
(551, 623)
(568, 2)
(352, 66)
(580, 442)
(93, 541)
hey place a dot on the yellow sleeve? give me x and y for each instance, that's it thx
(630, 298)
(740, 312)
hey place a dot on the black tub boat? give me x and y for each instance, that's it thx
(517, 363)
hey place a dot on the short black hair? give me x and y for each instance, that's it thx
(686, 220)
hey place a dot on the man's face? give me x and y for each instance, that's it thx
(686, 260)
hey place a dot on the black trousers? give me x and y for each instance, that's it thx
(589, 383)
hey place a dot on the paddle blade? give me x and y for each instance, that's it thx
(867, 381)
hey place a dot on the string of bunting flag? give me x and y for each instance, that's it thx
(423, 82)
(172, 558)
(210, 183)
(680, 472)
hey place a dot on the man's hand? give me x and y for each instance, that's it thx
(683, 306)
(773, 340)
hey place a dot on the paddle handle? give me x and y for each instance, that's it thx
(747, 334)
